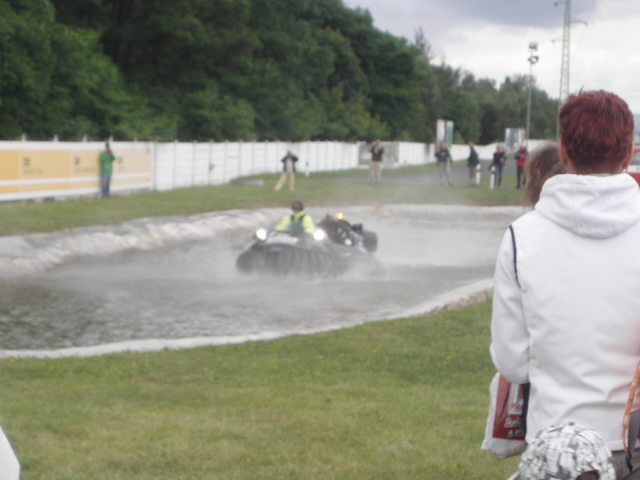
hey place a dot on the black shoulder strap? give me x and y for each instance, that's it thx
(515, 254)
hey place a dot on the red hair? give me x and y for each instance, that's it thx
(596, 128)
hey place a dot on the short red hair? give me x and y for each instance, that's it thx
(596, 128)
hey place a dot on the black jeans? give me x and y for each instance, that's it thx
(521, 178)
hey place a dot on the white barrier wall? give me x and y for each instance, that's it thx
(65, 169)
(485, 152)
(189, 164)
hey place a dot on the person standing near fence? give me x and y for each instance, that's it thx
(443, 158)
(106, 170)
(375, 168)
(288, 171)
(499, 159)
(521, 162)
(472, 163)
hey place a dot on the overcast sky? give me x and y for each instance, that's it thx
(490, 39)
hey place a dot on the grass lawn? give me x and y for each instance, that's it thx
(388, 400)
(316, 190)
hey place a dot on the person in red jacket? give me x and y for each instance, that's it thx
(521, 161)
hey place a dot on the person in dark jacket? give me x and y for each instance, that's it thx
(288, 171)
(472, 163)
(443, 159)
(375, 168)
(499, 160)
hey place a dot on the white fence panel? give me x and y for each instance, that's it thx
(183, 165)
(201, 164)
(272, 156)
(352, 151)
(459, 152)
(218, 172)
(163, 166)
(233, 162)
(412, 153)
(485, 152)
(245, 158)
(259, 160)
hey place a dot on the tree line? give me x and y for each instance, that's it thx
(238, 70)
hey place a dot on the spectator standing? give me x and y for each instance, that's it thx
(472, 163)
(375, 167)
(521, 161)
(566, 313)
(288, 171)
(443, 158)
(499, 159)
(106, 170)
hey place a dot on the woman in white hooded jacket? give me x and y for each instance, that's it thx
(566, 307)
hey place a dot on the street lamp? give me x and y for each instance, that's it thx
(533, 47)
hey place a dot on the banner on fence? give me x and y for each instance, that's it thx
(41, 173)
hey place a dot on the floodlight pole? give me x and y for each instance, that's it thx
(566, 56)
(566, 60)
(533, 47)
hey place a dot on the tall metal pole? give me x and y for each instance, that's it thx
(566, 60)
(529, 106)
(533, 46)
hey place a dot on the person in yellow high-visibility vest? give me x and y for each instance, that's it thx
(298, 221)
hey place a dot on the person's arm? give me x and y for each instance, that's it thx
(284, 224)
(509, 333)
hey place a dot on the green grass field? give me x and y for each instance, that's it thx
(399, 399)
(387, 400)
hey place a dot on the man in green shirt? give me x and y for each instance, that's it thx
(106, 170)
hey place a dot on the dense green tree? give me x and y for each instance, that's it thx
(237, 69)
(513, 99)
(55, 80)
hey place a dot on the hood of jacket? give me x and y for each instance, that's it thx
(591, 205)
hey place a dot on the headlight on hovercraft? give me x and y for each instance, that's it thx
(319, 234)
(261, 234)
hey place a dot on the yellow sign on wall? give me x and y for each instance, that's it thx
(56, 172)
(9, 171)
(84, 163)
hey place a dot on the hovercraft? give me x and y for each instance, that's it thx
(335, 248)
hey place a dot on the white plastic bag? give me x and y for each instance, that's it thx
(500, 447)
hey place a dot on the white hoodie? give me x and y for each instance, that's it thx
(572, 325)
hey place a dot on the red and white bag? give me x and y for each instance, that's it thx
(504, 436)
